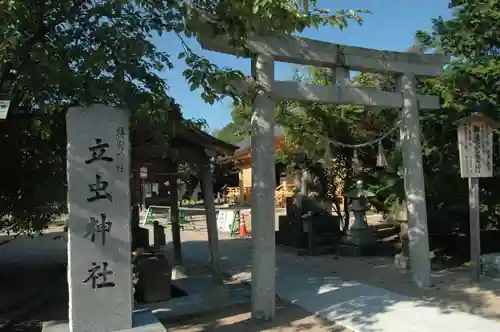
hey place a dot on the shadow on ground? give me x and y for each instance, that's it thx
(288, 318)
(345, 286)
(33, 286)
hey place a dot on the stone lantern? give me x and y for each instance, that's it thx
(360, 235)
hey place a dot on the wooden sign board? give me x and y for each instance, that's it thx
(475, 144)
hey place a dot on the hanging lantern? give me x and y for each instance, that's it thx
(356, 165)
(381, 160)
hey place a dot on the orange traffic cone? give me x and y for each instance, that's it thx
(243, 227)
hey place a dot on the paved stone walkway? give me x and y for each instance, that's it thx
(355, 305)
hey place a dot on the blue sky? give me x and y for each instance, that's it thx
(391, 26)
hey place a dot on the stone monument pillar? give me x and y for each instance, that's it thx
(99, 238)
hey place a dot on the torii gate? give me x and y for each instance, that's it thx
(406, 66)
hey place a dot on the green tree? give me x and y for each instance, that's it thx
(239, 128)
(314, 128)
(229, 133)
(55, 54)
(237, 20)
(469, 84)
(329, 132)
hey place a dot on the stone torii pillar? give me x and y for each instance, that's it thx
(414, 182)
(263, 188)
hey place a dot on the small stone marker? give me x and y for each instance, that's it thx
(99, 238)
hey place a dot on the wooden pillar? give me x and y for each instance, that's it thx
(414, 182)
(241, 198)
(263, 198)
(134, 202)
(174, 215)
(207, 187)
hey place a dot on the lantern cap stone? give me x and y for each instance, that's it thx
(359, 191)
(477, 117)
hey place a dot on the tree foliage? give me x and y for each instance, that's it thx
(239, 127)
(55, 54)
(237, 20)
(469, 83)
(313, 129)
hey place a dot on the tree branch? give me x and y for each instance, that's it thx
(38, 37)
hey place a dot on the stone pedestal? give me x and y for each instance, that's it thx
(361, 237)
(360, 240)
(402, 261)
(155, 275)
(142, 321)
(140, 238)
(159, 239)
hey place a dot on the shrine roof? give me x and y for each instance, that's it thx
(247, 142)
(199, 137)
(185, 135)
(245, 146)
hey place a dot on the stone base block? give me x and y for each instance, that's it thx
(361, 237)
(143, 321)
(155, 274)
(490, 265)
(140, 238)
